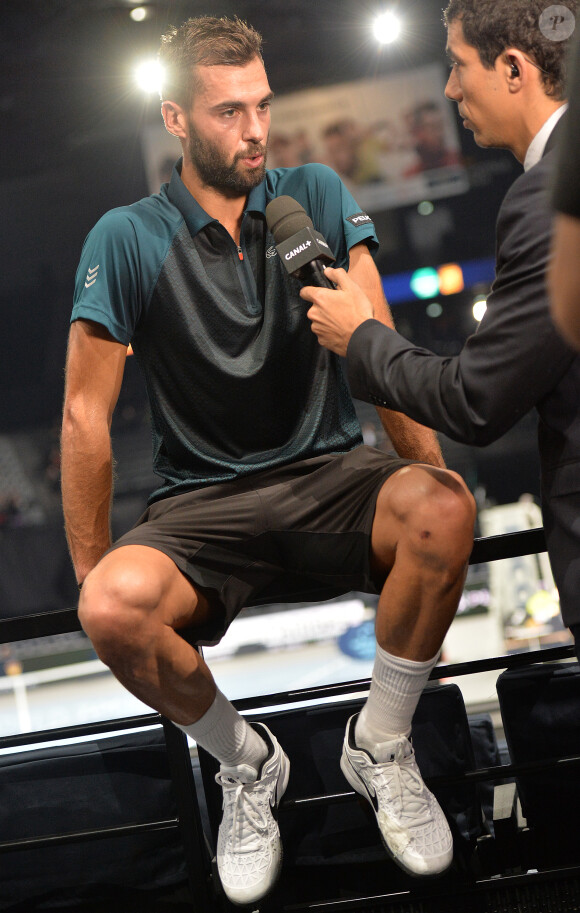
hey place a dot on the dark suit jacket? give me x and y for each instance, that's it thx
(514, 362)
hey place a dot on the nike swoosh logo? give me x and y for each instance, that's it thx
(370, 793)
(373, 797)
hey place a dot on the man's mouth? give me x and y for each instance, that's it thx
(253, 161)
(253, 158)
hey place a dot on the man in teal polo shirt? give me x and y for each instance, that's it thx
(266, 491)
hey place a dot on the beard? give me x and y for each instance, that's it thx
(215, 171)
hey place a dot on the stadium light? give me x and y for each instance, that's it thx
(425, 283)
(139, 13)
(149, 76)
(479, 307)
(451, 280)
(387, 27)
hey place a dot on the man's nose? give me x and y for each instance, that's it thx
(452, 89)
(255, 128)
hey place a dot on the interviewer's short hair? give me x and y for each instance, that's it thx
(203, 41)
(491, 26)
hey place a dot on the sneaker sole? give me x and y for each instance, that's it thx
(360, 787)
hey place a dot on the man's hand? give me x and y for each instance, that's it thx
(335, 315)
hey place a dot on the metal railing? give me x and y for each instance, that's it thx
(188, 820)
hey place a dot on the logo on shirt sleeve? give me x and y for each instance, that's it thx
(92, 275)
(359, 218)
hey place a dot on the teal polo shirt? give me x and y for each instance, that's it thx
(236, 380)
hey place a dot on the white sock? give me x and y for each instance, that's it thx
(227, 735)
(396, 686)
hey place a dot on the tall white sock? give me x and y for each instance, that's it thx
(396, 686)
(227, 735)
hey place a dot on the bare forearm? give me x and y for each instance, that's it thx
(411, 440)
(86, 474)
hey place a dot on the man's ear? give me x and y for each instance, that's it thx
(174, 119)
(515, 68)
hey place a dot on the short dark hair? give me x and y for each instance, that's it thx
(204, 41)
(491, 26)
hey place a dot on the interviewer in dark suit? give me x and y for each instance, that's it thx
(507, 78)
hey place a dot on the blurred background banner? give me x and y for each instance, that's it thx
(391, 139)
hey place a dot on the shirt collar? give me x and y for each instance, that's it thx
(538, 144)
(197, 218)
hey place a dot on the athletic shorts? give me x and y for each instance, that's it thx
(295, 533)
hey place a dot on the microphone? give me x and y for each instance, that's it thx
(302, 249)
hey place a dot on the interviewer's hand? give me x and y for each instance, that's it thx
(335, 314)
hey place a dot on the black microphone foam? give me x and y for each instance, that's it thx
(302, 249)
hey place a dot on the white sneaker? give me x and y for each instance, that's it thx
(249, 851)
(413, 828)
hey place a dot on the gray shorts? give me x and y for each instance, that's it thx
(295, 533)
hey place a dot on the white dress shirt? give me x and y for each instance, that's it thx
(538, 144)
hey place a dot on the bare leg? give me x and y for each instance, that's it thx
(130, 605)
(422, 538)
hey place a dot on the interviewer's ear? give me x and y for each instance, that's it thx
(514, 63)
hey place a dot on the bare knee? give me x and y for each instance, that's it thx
(449, 511)
(433, 514)
(116, 609)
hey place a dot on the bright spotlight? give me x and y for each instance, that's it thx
(479, 307)
(149, 76)
(387, 27)
(139, 13)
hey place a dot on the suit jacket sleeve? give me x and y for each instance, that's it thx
(514, 359)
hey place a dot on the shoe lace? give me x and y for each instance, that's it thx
(246, 820)
(404, 786)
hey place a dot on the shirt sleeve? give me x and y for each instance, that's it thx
(107, 286)
(333, 210)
